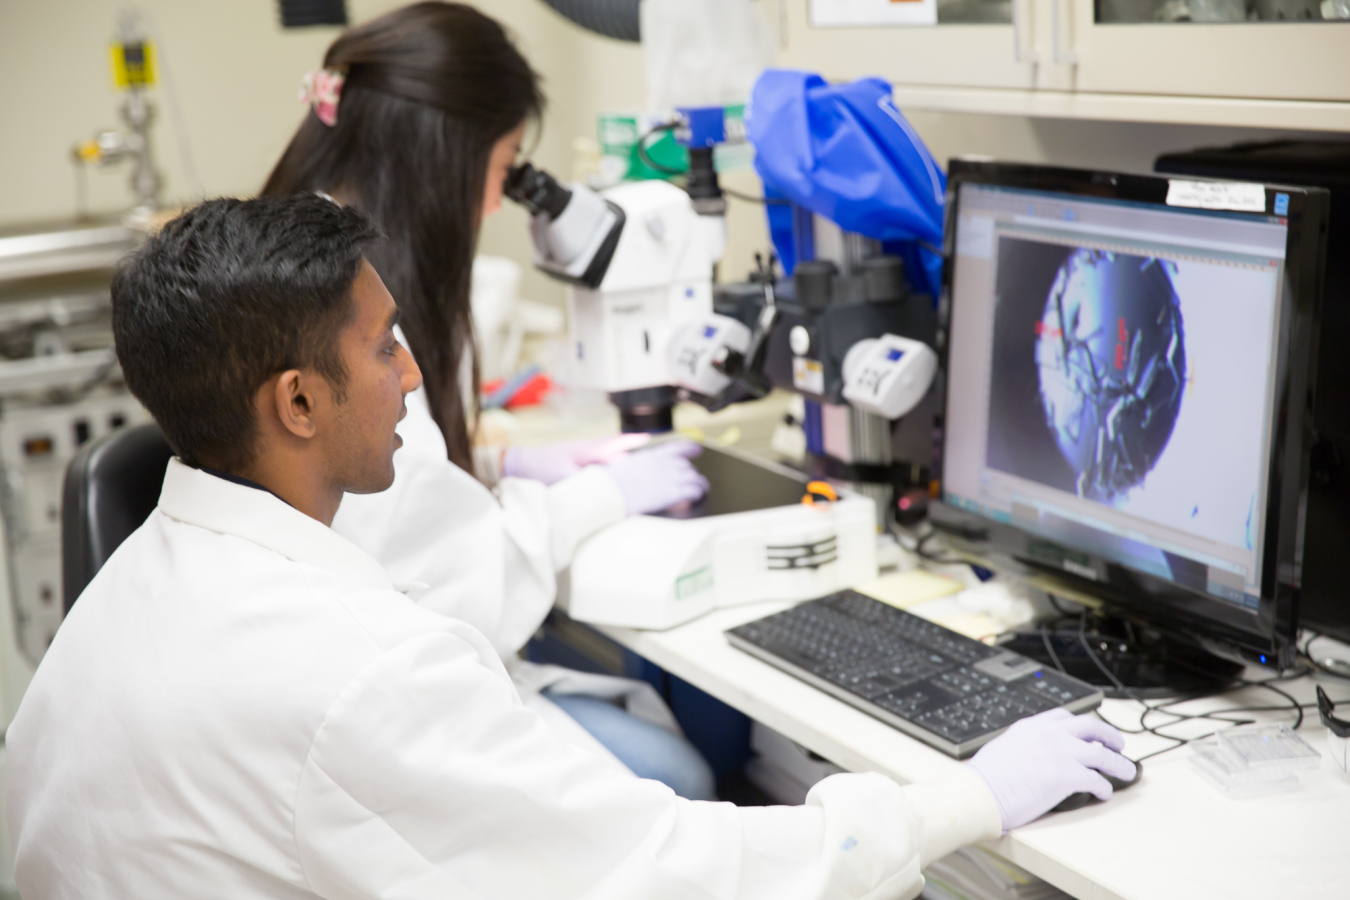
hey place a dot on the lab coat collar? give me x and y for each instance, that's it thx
(199, 498)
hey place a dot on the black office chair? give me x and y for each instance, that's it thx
(111, 487)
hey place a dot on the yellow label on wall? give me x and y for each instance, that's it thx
(133, 64)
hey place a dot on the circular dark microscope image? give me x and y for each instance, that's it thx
(1111, 354)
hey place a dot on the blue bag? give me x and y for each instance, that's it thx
(846, 153)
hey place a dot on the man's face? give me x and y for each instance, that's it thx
(380, 373)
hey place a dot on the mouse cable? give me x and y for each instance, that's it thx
(1147, 708)
(1214, 715)
(1179, 717)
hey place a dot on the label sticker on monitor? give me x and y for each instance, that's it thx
(1232, 195)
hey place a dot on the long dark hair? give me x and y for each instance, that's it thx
(430, 88)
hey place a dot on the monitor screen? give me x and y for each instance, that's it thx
(1112, 380)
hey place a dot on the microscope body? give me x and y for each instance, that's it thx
(659, 280)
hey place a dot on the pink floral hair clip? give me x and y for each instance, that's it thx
(321, 89)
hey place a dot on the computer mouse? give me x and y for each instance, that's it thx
(1083, 798)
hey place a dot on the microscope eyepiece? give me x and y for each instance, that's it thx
(537, 191)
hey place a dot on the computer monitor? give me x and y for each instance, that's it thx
(1129, 379)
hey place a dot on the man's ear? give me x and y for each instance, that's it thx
(294, 400)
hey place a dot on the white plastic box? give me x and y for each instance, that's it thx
(752, 539)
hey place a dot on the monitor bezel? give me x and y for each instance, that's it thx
(1267, 635)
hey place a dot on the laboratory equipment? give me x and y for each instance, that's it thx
(1254, 760)
(750, 538)
(649, 328)
(951, 692)
(638, 261)
(868, 423)
(59, 390)
(863, 264)
(1322, 603)
(1127, 409)
(889, 375)
(134, 71)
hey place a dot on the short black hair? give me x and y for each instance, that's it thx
(225, 296)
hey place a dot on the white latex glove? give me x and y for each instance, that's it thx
(553, 462)
(1041, 760)
(657, 479)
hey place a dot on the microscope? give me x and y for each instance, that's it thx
(638, 260)
(650, 328)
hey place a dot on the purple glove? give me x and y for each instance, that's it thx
(659, 478)
(1041, 760)
(552, 463)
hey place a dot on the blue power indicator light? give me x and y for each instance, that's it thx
(1263, 659)
(893, 354)
(709, 331)
(1040, 674)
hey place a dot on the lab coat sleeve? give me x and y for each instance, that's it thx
(429, 779)
(489, 560)
(578, 507)
(539, 529)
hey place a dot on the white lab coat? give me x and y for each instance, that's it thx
(241, 705)
(491, 560)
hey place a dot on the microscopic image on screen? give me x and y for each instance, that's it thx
(1112, 363)
(1136, 382)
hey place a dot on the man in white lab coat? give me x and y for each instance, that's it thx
(241, 704)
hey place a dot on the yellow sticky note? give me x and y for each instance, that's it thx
(904, 589)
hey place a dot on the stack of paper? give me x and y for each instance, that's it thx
(974, 873)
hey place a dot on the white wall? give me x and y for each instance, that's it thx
(235, 73)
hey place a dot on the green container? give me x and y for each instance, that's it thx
(619, 134)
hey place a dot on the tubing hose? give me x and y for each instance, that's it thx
(612, 18)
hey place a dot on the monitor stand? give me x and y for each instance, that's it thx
(1149, 663)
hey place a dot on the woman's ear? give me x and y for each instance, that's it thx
(294, 400)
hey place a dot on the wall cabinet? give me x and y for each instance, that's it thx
(1277, 63)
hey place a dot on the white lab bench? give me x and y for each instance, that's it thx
(1172, 835)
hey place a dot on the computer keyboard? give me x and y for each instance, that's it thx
(928, 681)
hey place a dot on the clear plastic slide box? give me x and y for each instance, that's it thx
(1254, 760)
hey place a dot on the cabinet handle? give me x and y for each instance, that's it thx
(1022, 53)
(1062, 55)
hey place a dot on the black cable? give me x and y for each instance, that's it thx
(934, 557)
(647, 160)
(1316, 666)
(917, 548)
(1144, 727)
(748, 198)
(1045, 639)
(1054, 601)
(667, 170)
(1217, 715)
(1294, 704)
